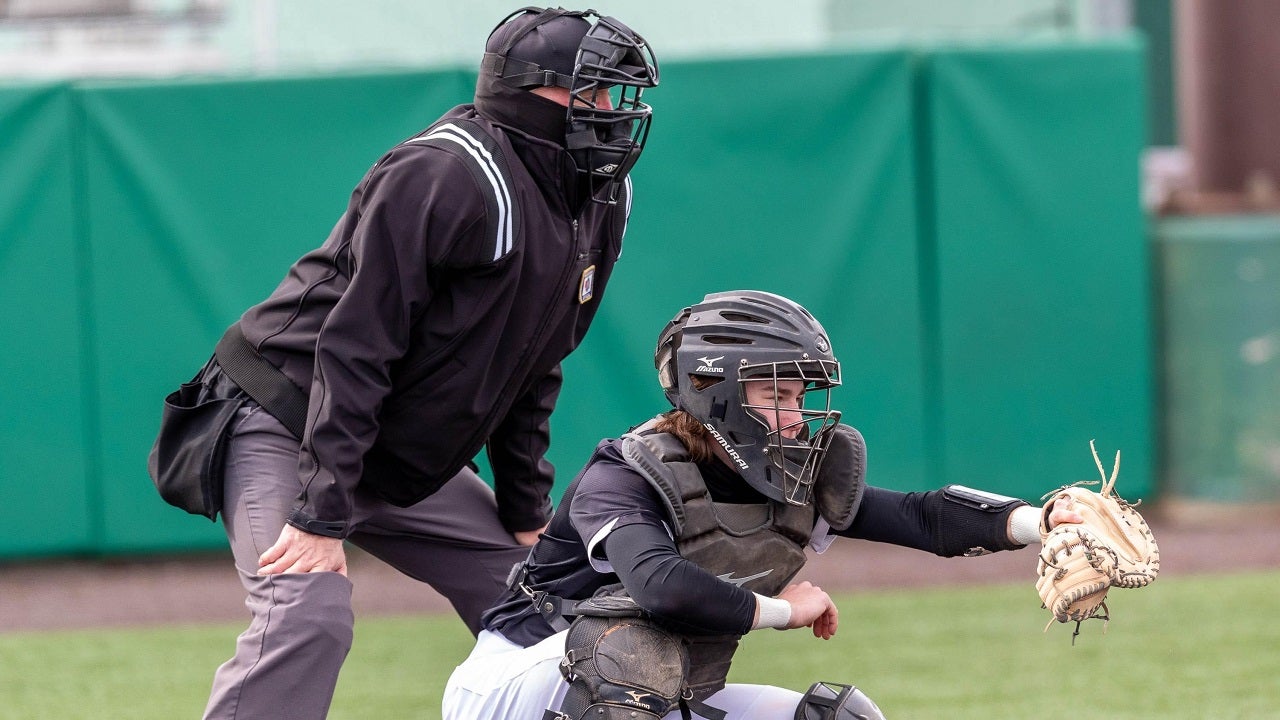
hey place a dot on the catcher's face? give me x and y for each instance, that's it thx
(777, 403)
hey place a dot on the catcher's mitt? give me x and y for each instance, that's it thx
(1079, 563)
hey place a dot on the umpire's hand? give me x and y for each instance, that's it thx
(529, 537)
(811, 607)
(298, 551)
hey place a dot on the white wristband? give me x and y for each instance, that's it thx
(1024, 525)
(774, 613)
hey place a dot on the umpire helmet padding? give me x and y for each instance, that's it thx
(533, 47)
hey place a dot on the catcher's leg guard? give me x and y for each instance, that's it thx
(833, 701)
(620, 668)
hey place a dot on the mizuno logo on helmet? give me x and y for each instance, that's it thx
(709, 365)
(725, 444)
(729, 578)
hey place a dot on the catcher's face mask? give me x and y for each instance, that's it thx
(792, 402)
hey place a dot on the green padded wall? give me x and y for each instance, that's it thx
(964, 220)
(1037, 302)
(792, 175)
(1220, 320)
(200, 195)
(44, 498)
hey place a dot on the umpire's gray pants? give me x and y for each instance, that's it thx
(286, 664)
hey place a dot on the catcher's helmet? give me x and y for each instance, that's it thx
(553, 47)
(707, 353)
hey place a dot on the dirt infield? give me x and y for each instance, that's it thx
(203, 588)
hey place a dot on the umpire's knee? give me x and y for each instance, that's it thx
(315, 610)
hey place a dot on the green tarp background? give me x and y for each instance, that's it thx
(1041, 339)
(940, 210)
(45, 403)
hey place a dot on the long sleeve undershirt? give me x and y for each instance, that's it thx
(681, 594)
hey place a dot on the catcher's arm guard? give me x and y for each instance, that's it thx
(1080, 562)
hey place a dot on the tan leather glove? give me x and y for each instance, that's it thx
(1080, 562)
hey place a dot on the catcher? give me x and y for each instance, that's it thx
(683, 535)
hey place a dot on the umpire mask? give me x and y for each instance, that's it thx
(708, 354)
(604, 65)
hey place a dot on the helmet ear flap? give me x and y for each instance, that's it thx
(664, 357)
(667, 376)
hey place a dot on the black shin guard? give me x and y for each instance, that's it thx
(621, 668)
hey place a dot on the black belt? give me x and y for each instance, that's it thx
(262, 381)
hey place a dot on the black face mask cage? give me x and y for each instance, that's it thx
(606, 141)
(795, 460)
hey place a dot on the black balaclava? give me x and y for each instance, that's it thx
(521, 109)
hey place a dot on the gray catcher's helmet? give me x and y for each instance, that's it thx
(707, 353)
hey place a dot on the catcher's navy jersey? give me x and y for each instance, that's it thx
(569, 560)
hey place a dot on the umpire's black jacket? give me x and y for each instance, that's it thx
(434, 318)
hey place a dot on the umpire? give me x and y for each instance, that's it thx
(431, 323)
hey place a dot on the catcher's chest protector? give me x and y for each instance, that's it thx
(759, 547)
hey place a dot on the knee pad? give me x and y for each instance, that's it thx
(621, 668)
(834, 701)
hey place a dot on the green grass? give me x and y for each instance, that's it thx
(1187, 647)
